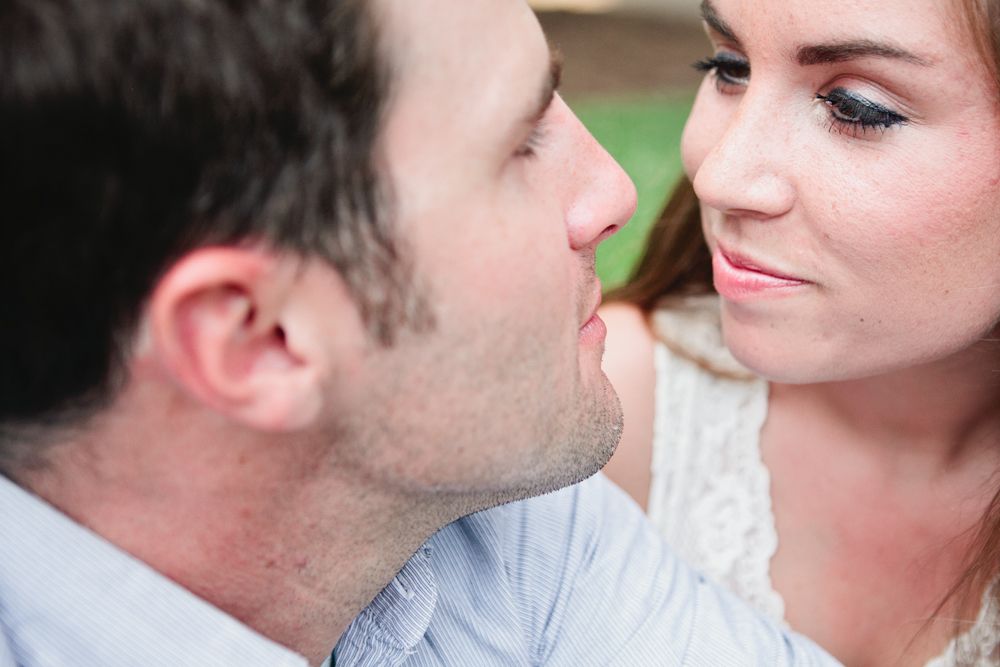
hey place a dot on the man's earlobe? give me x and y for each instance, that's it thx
(217, 328)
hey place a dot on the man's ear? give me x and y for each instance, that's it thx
(226, 326)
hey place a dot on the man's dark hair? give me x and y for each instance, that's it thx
(132, 131)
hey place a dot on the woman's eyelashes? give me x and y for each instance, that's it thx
(852, 112)
(849, 112)
(728, 69)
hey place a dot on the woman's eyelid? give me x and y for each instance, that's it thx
(866, 90)
(881, 107)
(726, 53)
(726, 68)
(854, 115)
(720, 44)
(730, 56)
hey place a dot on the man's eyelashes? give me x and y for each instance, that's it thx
(534, 142)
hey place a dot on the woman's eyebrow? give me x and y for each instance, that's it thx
(711, 17)
(819, 54)
(836, 52)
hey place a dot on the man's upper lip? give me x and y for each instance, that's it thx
(748, 263)
(597, 304)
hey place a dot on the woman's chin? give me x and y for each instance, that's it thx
(786, 354)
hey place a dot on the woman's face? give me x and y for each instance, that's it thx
(847, 157)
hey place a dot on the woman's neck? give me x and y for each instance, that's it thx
(945, 413)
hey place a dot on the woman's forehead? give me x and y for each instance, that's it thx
(929, 29)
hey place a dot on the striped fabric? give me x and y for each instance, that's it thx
(68, 597)
(577, 577)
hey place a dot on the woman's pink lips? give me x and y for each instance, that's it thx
(739, 279)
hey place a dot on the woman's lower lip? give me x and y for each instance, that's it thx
(739, 284)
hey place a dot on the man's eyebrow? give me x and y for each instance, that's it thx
(836, 52)
(711, 17)
(549, 87)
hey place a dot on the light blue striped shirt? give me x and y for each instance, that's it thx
(576, 577)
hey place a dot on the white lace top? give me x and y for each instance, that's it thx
(710, 490)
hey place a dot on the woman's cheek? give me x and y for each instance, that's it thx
(704, 128)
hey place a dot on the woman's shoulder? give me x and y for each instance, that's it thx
(691, 330)
(628, 363)
(630, 340)
(685, 324)
(670, 368)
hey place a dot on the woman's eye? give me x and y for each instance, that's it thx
(855, 114)
(729, 70)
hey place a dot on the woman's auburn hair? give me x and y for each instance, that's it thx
(677, 263)
(983, 562)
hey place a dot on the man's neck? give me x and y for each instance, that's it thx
(290, 552)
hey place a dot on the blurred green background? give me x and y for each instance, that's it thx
(627, 75)
(643, 135)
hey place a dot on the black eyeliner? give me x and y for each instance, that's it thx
(860, 111)
(719, 60)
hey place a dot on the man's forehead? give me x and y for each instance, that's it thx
(460, 49)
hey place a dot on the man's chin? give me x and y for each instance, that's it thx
(587, 449)
(575, 450)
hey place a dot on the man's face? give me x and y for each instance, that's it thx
(501, 197)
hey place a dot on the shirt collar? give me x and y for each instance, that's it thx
(394, 624)
(70, 597)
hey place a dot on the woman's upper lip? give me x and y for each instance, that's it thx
(748, 263)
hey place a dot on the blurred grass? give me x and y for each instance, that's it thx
(643, 134)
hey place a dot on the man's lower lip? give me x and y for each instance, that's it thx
(738, 284)
(594, 330)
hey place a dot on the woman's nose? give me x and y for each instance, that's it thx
(745, 171)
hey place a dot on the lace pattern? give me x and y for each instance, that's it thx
(979, 646)
(710, 492)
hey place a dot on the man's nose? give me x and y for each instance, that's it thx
(601, 198)
(746, 171)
